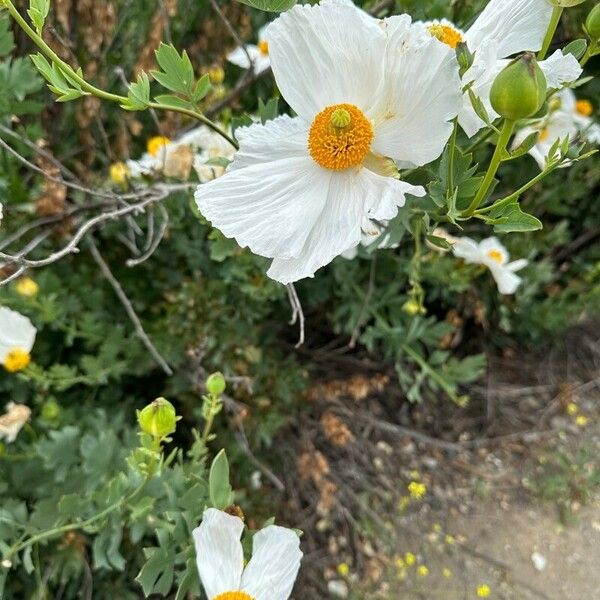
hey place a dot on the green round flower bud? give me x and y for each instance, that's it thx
(215, 384)
(566, 3)
(158, 418)
(50, 410)
(592, 23)
(519, 90)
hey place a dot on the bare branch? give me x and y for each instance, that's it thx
(297, 312)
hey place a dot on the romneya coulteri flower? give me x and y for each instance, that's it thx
(269, 575)
(492, 254)
(258, 53)
(12, 421)
(504, 28)
(567, 118)
(17, 335)
(366, 93)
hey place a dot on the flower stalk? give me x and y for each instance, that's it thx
(554, 20)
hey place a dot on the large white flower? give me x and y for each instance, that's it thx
(504, 28)
(258, 54)
(17, 335)
(567, 118)
(269, 575)
(492, 254)
(365, 92)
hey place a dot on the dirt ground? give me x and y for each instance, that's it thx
(500, 499)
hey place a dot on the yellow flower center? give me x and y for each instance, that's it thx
(446, 34)
(584, 107)
(543, 134)
(119, 173)
(16, 360)
(340, 137)
(27, 287)
(156, 143)
(496, 256)
(263, 47)
(233, 596)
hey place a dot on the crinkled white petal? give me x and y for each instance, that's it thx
(273, 568)
(16, 331)
(273, 194)
(467, 249)
(516, 25)
(422, 94)
(560, 68)
(505, 279)
(353, 193)
(219, 554)
(326, 54)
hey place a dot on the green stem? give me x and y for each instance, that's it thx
(50, 533)
(451, 148)
(93, 90)
(482, 138)
(591, 49)
(517, 193)
(505, 134)
(554, 19)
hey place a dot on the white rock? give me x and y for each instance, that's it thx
(337, 588)
(540, 562)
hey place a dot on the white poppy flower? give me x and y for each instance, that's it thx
(269, 575)
(567, 118)
(258, 53)
(17, 335)
(492, 254)
(211, 145)
(365, 92)
(12, 421)
(503, 28)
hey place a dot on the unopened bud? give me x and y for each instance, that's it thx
(592, 23)
(519, 90)
(215, 384)
(158, 418)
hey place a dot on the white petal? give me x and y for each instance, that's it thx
(422, 95)
(326, 54)
(493, 244)
(506, 280)
(337, 229)
(219, 553)
(16, 331)
(560, 68)
(391, 194)
(516, 25)
(467, 249)
(273, 568)
(262, 63)
(240, 58)
(517, 265)
(273, 194)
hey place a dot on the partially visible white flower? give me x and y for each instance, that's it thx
(12, 421)
(440, 232)
(299, 189)
(211, 146)
(17, 336)
(258, 54)
(503, 28)
(567, 118)
(492, 254)
(371, 233)
(269, 575)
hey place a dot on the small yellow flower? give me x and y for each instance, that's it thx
(156, 143)
(450, 540)
(483, 591)
(572, 408)
(27, 287)
(119, 173)
(581, 420)
(410, 559)
(399, 562)
(447, 573)
(422, 571)
(403, 503)
(216, 75)
(436, 528)
(16, 360)
(584, 108)
(343, 569)
(417, 490)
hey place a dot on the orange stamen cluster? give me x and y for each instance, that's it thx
(584, 108)
(446, 34)
(340, 137)
(233, 596)
(496, 256)
(263, 47)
